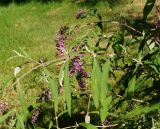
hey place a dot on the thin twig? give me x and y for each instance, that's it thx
(39, 66)
(103, 126)
(107, 126)
(56, 120)
(136, 100)
(133, 29)
(75, 126)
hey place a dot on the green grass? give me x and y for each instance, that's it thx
(31, 27)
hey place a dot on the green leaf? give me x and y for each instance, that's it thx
(95, 78)
(50, 125)
(88, 126)
(142, 110)
(104, 81)
(61, 113)
(67, 87)
(23, 108)
(155, 68)
(105, 107)
(76, 41)
(21, 97)
(148, 8)
(54, 90)
(4, 117)
(131, 85)
(140, 83)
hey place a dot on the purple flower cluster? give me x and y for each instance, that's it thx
(78, 69)
(80, 13)
(46, 95)
(60, 40)
(35, 115)
(106, 122)
(77, 65)
(3, 107)
(81, 78)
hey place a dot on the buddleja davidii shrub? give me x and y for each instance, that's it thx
(90, 59)
(128, 82)
(75, 51)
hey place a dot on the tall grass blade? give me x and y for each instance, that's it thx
(20, 121)
(4, 117)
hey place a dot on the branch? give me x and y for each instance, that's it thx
(103, 126)
(39, 66)
(136, 100)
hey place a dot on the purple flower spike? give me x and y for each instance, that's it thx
(81, 82)
(45, 95)
(78, 69)
(48, 95)
(77, 65)
(3, 107)
(80, 13)
(60, 40)
(35, 115)
(106, 122)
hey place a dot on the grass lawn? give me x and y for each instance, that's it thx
(31, 28)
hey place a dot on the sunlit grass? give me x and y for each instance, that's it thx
(31, 28)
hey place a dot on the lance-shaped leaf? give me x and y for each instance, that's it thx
(131, 85)
(104, 81)
(148, 8)
(140, 83)
(142, 110)
(105, 107)
(95, 87)
(54, 88)
(67, 88)
(22, 100)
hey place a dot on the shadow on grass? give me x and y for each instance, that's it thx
(7, 2)
(91, 3)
